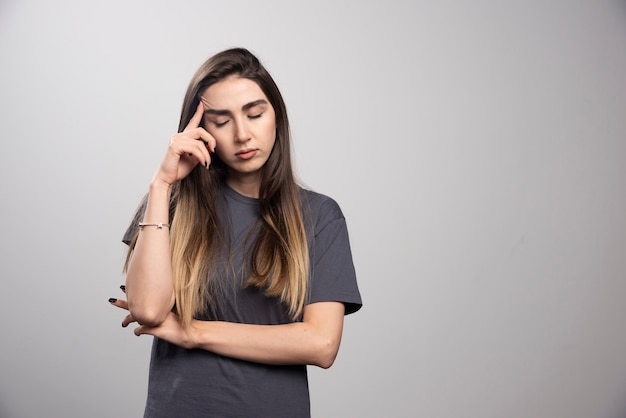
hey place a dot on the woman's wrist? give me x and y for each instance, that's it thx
(160, 187)
(194, 333)
(157, 211)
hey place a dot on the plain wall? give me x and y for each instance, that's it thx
(477, 149)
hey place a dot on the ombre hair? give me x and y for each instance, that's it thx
(279, 258)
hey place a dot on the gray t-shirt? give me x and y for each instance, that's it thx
(198, 383)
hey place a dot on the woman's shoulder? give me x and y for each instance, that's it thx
(319, 207)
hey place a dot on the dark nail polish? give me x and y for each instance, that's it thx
(123, 287)
(112, 300)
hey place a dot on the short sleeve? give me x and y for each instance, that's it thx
(134, 224)
(333, 277)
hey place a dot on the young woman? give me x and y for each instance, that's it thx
(242, 276)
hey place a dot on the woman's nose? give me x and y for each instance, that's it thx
(242, 133)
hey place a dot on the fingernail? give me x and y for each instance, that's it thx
(112, 300)
(123, 287)
(206, 165)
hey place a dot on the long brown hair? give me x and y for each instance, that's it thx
(280, 257)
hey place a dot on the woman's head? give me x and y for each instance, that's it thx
(223, 68)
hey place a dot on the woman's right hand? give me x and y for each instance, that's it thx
(187, 149)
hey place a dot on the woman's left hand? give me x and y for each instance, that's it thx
(169, 330)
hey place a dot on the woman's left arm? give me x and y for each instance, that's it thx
(314, 341)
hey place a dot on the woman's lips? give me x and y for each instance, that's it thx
(246, 154)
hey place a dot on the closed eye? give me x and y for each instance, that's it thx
(255, 116)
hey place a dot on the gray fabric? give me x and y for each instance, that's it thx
(198, 383)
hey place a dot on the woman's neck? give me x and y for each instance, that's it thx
(247, 185)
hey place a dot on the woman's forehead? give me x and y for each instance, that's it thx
(232, 92)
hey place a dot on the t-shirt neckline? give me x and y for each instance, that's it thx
(234, 194)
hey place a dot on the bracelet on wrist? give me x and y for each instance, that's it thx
(159, 225)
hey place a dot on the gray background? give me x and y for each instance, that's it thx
(477, 149)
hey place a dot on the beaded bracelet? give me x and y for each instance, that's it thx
(160, 225)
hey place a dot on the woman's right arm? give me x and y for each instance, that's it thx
(149, 282)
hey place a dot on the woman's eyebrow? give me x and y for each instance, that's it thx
(223, 112)
(217, 112)
(252, 104)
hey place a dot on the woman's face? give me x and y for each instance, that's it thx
(241, 119)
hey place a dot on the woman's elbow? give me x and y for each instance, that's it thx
(148, 316)
(149, 310)
(326, 351)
